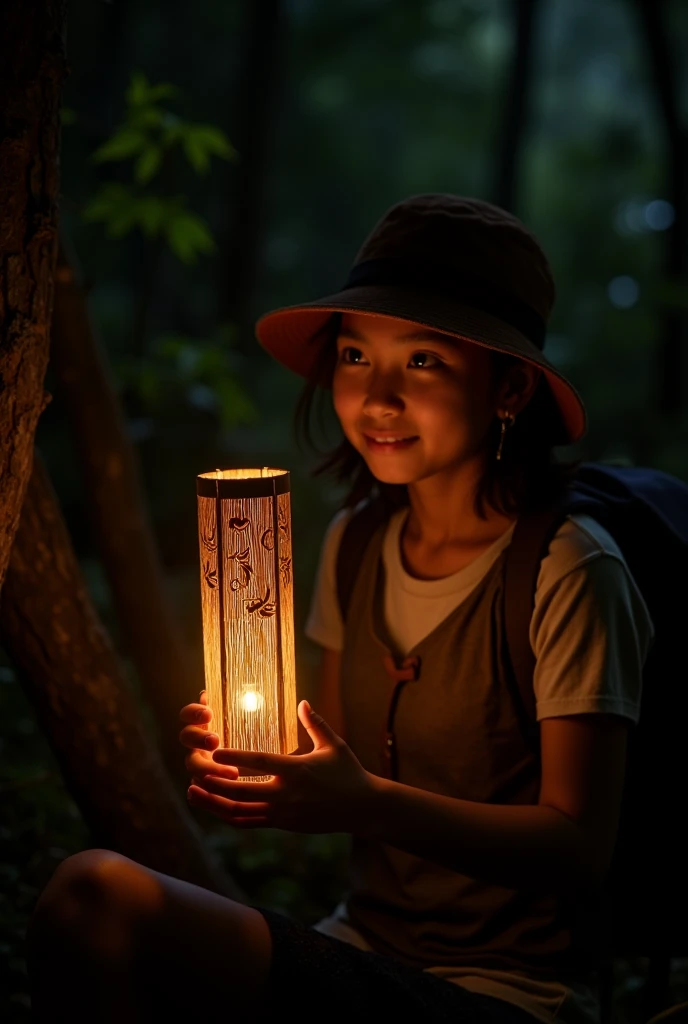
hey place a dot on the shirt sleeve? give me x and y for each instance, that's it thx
(324, 624)
(591, 630)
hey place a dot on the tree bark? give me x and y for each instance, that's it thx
(663, 67)
(251, 134)
(516, 104)
(32, 67)
(119, 509)
(85, 706)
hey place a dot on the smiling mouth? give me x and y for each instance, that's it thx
(388, 442)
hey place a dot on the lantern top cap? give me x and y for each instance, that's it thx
(243, 483)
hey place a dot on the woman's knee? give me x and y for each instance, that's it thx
(94, 895)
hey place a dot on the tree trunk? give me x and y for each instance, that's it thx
(32, 67)
(118, 507)
(673, 329)
(85, 706)
(252, 135)
(516, 104)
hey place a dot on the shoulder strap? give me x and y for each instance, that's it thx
(532, 535)
(354, 541)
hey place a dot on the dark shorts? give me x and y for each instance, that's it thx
(334, 981)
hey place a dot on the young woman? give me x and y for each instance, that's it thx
(477, 855)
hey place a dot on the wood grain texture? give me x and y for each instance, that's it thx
(85, 705)
(32, 68)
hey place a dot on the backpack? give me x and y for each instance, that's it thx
(646, 513)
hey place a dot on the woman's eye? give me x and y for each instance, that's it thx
(349, 354)
(424, 361)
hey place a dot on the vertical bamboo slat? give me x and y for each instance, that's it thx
(244, 519)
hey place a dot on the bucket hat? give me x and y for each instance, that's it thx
(452, 263)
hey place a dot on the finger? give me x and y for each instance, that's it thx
(199, 765)
(203, 696)
(317, 728)
(191, 713)
(240, 792)
(229, 810)
(196, 737)
(258, 762)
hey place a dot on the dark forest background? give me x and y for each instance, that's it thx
(222, 160)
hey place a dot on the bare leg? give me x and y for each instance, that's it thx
(111, 937)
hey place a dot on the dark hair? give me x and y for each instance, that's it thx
(527, 475)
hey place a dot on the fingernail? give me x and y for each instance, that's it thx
(209, 741)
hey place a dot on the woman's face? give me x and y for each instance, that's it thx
(415, 403)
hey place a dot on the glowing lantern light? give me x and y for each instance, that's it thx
(244, 527)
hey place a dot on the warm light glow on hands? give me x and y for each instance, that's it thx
(325, 790)
(200, 741)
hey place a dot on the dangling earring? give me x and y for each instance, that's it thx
(507, 421)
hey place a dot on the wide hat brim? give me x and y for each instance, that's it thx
(293, 336)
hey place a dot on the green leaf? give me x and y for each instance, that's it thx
(152, 212)
(214, 140)
(201, 141)
(115, 206)
(146, 119)
(148, 164)
(125, 143)
(138, 89)
(188, 236)
(195, 154)
(142, 93)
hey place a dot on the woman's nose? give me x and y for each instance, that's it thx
(383, 394)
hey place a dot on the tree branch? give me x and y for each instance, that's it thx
(85, 706)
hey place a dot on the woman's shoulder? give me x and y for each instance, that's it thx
(584, 563)
(583, 553)
(337, 525)
(579, 540)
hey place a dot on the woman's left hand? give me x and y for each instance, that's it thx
(325, 790)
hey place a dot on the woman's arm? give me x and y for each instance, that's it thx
(566, 840)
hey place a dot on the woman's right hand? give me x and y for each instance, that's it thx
(201, 742)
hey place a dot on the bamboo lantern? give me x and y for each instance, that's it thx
(244, 527)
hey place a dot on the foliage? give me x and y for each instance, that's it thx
(150, 138)
(179, 372)
(360, 124)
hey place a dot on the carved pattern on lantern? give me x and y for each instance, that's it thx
(262, 605)
(239, 523)
(209, 536)
(209, 574)
(285, 569)
(245, 567)
(247, 604)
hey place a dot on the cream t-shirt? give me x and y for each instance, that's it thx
(590, 633)
(590, 630)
